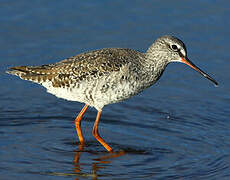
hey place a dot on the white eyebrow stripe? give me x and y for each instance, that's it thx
(182, 51)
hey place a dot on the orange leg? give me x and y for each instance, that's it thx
(78, 123)
(96, 134)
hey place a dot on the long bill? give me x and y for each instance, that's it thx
(189, 63)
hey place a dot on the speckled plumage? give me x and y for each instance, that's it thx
(87, 77)
(106, 76)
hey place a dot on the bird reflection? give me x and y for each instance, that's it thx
(97, 163)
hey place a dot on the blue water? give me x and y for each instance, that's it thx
(177, 129)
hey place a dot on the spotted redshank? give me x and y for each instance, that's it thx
(106, 76)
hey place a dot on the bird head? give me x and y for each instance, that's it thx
(174, 50)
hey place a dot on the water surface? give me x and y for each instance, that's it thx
(177, 129)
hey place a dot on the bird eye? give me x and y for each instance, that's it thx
(174, 47)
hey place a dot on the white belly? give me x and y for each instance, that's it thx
(96, 93)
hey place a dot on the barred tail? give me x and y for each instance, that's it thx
(36, 74)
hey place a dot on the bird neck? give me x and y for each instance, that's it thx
(155, 63)
(156, 59)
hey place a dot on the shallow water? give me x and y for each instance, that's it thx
(177, 129)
